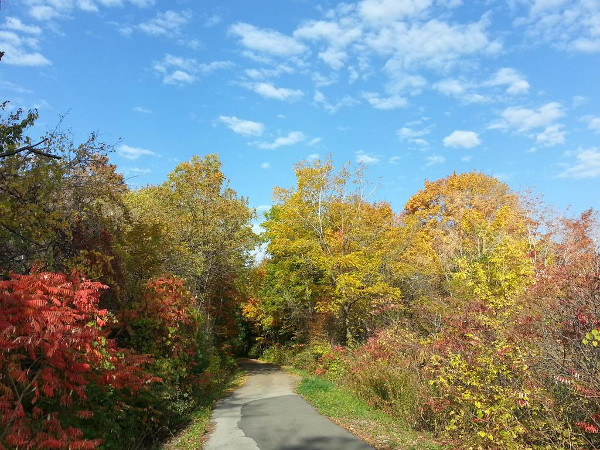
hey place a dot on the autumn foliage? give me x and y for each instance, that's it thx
(52, 347)
(474, 312)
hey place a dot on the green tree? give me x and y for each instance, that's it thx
(198, 229)
(62, 206)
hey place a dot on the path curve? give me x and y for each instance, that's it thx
(266, 414)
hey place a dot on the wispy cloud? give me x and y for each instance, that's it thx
(515, 82)
(168, 23)
(594, 123)
(133, 153)
(462, 139)
(267, 90)
(365, 158)
(346, 101)
(414, 136)
(410, 45)
(524, 119)
(243, 127)
(142, 110)
(181, 71)
(587, 165)
(20, 43)
(54, 9)
(434, 160)
(385, 11)
(385, 103)
(551, 136)
(293, 138)
(15, 24)
(267, 41)
(569, 25)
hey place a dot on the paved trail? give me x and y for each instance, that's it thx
(265, 414)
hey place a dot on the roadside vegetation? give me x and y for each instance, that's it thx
(471, 315)
(470, 319)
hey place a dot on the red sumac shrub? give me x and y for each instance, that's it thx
(51, 347)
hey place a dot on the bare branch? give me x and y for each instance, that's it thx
(32, 149)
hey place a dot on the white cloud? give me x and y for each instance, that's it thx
(365, 158)
(168, 23)
(136, 171)
(293, 137)
(569, 25)
(451, 87)
(414, 136)
(43, 12)
(269, 91)
(525, 119)
(462, 139)
(314, 141)
(433, 44)
(336, 37)
(142, 110)
(313, 156)
(405, 133)
(333, 57)
(346, 101)
(515, 83)
(12, 23)
(552, 135)
(243, 127)
(385, 103)
(384, 11)
(267, 41)
(133, 153)
(179, 77)
(394, 160)
(262, 73)
(334, 33)
(265, 165)
(52, 9)
(21, 51)
(587, 165)
(434, 160)
(181, 71)
(594, 124)
(212, 21)
(460, 90)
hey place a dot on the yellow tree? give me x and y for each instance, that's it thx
(471, 234)
(327, 246)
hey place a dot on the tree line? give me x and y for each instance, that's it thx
(471, 314)
(118, 308)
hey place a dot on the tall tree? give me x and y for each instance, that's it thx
(327, 246)
(64, 211)
(471, 237)
(206, 235)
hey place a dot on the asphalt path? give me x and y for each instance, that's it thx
(266, 414)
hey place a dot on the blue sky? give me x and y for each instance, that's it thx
(414, 89)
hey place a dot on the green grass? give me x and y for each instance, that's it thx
(354, 414)
(192, 437)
